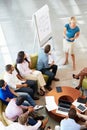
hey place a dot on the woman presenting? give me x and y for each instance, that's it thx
(71, 33)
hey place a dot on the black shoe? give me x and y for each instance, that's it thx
(74, 76)
(77, 88)
(49, 88)
(41, 93)
(41, 90)
(56, 79)
(36, 98)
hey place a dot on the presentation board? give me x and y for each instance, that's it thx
(43, 25)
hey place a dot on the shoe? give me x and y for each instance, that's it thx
(41, 93)
(41, 90)
(49, 88)
(44, 122)
(56, 79)
(77, 88)
(74, 76)
(36, 98)
(37, 107)
(65, 63)
(39, 118)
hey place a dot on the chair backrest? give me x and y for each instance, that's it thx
(84, 83)
(34, 58)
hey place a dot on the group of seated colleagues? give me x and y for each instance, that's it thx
(7, 93)
(18, 104)
(23, 123)
(19, 84)
(15, 108)
(81, 75)
(23, 65)
(70, 123)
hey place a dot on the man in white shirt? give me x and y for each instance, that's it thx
(19, 84)
(69, 123)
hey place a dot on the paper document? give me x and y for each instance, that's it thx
(50, 103)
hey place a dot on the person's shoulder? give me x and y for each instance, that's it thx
(77, 27)
(67, 25)
(7, 86)
(63, 120)
(41, 51)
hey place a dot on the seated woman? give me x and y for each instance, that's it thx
(23, 66)
(81, 75)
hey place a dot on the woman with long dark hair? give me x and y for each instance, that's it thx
(23, 66)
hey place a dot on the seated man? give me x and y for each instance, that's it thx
(19, 84)
(69, 123)
(15, 108)
(22, 124)
(81, 75)
(6, 94)
(44, 66)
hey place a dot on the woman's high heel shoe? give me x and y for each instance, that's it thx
(42, 92)
(74, 76)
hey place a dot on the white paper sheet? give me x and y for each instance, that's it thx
(50, 103)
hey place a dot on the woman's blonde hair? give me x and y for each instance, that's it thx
(72, 19)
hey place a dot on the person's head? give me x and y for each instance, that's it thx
(72, 113)
(2, 84)
(22, 119)
(20, 57)
(47, 48)
(73, 21)
(19, 100)
(9, 68)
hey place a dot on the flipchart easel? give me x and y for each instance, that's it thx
(42, 28)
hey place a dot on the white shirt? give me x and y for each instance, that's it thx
(69, 124)
(12, 79)
(17, 126)
(24, 69)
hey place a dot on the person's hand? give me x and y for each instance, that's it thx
(72, 39)
(52, 63)
(25, 85)
(23, 79)
(44, 122)
(30, 109)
